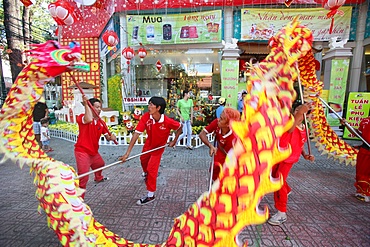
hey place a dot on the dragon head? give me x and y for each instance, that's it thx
(57, 59)
(295, 40)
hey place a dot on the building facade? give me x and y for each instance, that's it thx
(204, 47)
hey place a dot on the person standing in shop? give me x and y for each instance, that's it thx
(241, 103)
(184, 109)
(220, 108)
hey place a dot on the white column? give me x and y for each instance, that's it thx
(124, 43)
(230, 50)
(358, 51)
(228, 24)
(104, 88)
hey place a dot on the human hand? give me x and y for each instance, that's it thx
(171, 144)
(84, 99)
(309, 157)
(212, 150)
(123, 158)
(112, 138)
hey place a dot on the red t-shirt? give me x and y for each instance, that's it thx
(224, 142)
(88, 136)
(365, 129)
(296, 139)
(158, 132)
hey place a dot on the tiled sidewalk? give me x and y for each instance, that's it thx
(321, 210)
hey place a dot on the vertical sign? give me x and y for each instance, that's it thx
(337, 90)
(357, 109)
(229, 82)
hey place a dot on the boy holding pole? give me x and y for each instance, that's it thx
(158, 127)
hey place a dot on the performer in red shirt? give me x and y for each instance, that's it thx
(362, 182)
(158, 127)
(295, 138)
(224, 138)
(87, 145)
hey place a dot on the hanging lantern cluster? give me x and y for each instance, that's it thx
(110, 38)
(129, 54)
(62, 12)
(333, 7)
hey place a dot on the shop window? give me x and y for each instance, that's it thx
(149, 82)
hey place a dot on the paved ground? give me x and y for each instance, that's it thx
(322, 210)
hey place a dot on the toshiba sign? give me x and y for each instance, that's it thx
(136, 100)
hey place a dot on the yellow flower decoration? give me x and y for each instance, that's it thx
(94, 66)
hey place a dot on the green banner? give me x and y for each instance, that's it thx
(184, 28)
(261, 24)
(337, 89)
(357, 108)
(229, 82)
(115, 92)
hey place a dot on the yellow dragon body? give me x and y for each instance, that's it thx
(327, 141)
(217, 217)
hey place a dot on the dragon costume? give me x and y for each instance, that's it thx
(217, 217)
(326, 139)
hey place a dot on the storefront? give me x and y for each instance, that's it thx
(182, 52)
(185, 50)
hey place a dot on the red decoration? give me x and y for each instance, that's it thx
(110, 38)
(62, 12)
(129, 54)
(333, 6)
(142, 53)
(288, 2)
(158, 64)
(27, 3)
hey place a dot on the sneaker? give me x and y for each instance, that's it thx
(145, 200)
(277, 219)
(189, 147)
(362, 197)
(102, 180)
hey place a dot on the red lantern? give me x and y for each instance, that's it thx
(142, 54)
(62, 12)
(333, 6)
(129, 54)
(110, 38)
(158, 64)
